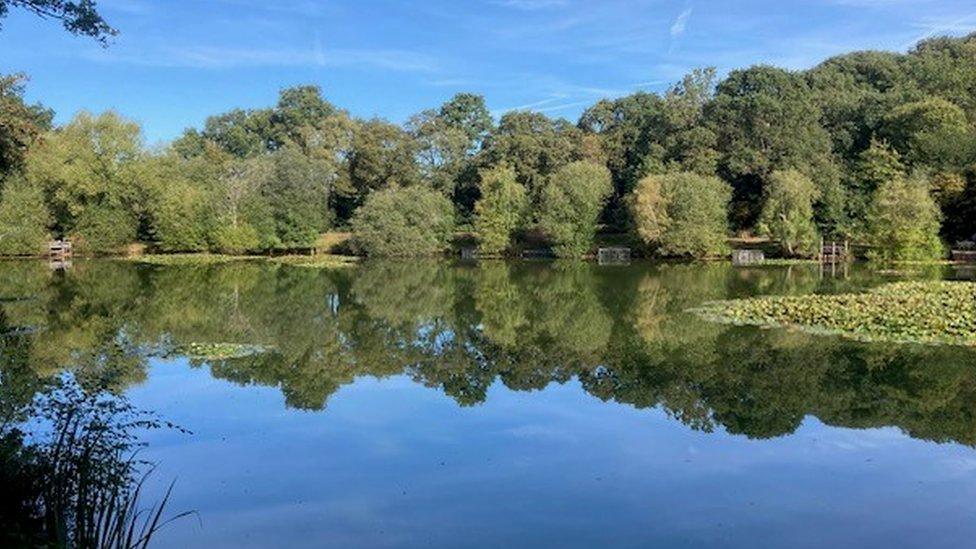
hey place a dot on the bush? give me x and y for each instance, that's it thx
(403, 222)
(571, 204)
(904, 222)
(104, 228)
(500, 211)
(23, 219)
(180, 219)
(787, 214)
(682, 214)
(239, 239)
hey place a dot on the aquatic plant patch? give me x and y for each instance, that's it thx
(189, 259)
(218, 351)
(903, 312)
(321, 261)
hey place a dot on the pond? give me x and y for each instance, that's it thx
(439, 404)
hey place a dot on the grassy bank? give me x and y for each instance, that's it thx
(902, 312)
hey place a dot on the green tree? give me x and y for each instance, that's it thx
(297, 192)
(570, 206)
(904, 222)
(787, 214)
(182, 199)
(382, 156)
(945, 66)
(645, 134)
(20, 124)
(468, 113)
(856, 91)
(442, 150)
(767, 119)
(682, 214)
(876, 165)
(244, 221)
(89, 170)
(918, 130)
(80, 17)
(535, 146)
(23, 219)
(403, 222)
(500, 211)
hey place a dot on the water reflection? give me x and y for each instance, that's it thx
(621, 331)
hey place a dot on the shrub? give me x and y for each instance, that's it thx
(571, 204)
(236, 239)
(180, 218)
(787, 214)
(682, 214)
(23, 219)
(104, 228)
(403, 222)
(904, 222)
(500, 211)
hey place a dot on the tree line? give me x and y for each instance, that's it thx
(878, 147)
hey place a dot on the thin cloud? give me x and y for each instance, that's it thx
(207, 57)
(935, 27)
(679, 25)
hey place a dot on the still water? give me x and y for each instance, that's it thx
(522, 405)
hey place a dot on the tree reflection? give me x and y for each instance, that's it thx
(623, 332)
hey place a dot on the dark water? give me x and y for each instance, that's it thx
(485, 405)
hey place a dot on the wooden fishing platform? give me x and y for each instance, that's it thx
(59, 249)
(834, 252)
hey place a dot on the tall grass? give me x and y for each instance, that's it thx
(74, 462)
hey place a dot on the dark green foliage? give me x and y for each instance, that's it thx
(403, 222)
(535, 146)
(767, 119)
(23, 219)
(71, 475)
(79, 17)
(382, 156)
(20, 124)
(297, 193)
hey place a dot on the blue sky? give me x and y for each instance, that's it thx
(178, 61)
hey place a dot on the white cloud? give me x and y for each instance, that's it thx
(678, 27)
(209, 57)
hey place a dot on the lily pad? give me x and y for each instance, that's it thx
(901, 312)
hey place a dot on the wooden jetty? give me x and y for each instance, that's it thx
(59, 249)
(743, 257)
(613, 255)
(834, 252)
(59, 254)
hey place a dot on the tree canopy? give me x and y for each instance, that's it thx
(803, 152)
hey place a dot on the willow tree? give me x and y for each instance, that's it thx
(904, 222)
(682, 214)
(501, 210)
(570, 206)
(787, 214)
